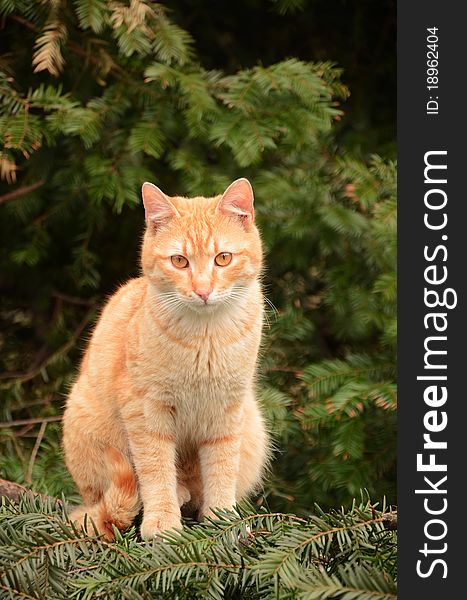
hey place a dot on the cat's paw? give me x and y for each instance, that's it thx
(183, 494)
(153, 525)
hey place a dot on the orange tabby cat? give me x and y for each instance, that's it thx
(163, 413)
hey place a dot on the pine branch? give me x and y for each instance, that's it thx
(32, 421)
(236, 555)
(21, 191)
(74, 48)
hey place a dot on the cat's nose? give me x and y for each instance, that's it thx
(203, 293)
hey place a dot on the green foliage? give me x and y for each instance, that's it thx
(334, 342)
(98, 96)
(249, 554)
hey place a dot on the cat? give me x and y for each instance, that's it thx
(163, 413)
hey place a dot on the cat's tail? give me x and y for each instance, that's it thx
(120, 503)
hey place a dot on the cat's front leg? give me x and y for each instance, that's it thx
(220, 459)
(151, 434)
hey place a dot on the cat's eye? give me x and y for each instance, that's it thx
(223, 259)
(179, 261)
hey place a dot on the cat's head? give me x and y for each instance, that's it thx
(201, 253)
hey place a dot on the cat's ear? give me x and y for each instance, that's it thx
(157, 206)
(237, 201)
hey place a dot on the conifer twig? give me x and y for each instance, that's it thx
(35, 450)
(21, 191)
(75, 48)
(11, 591)
(32, 421)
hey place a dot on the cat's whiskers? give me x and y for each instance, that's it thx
(167, 300)
(170, 302)
(232, 297)
(273, 311)
(271, 306)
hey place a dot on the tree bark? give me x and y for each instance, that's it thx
(13, 491)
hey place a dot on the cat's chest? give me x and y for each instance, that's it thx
(195, 366)
(199, 355)
(208, 372)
